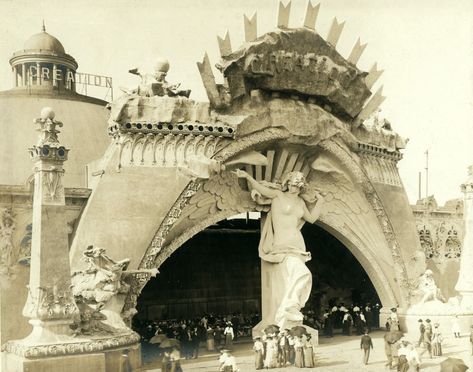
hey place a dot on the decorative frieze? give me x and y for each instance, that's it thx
(165, 150)
(440, 229)
(72, 347)
(380, 164)
(50, 303)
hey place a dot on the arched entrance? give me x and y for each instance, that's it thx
(349, 214)
(217, 274)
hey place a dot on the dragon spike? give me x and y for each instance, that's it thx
(208, 79)
(373, 76)
(311, 15)
(356, 52)
(283, 14)
(224, 44)
(250, 28)
(335, 32)
(372, 105)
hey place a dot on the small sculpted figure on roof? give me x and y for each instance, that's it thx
(155, 84)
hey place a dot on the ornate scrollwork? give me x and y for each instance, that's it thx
(70, 348)
(50, 303)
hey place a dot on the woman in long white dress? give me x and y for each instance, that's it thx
(271, 357)
(229, 336)
(456, 327)
(437, 340)
(299, 347)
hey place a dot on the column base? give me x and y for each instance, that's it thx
(48, 332)
(65, 363)
(107, 353)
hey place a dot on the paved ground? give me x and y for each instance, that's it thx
(337, 354)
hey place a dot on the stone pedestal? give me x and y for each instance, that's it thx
(272, 293)
(97, 354)
(465, 279)
(75, 363)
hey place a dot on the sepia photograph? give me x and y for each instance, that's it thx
(223, 186)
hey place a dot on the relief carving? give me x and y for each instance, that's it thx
(7, 226)
(24, 254)
(52, 185)
(50, 303)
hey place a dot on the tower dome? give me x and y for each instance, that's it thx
(44, 41)
(43, 64)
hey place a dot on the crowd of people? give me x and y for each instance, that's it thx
(216, 331)
(405, 355)
(280, 349)
(350, 318)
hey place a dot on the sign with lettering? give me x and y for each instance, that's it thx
(297, 62)
(69, 77)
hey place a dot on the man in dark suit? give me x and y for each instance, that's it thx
(422, 331)
(366, 344)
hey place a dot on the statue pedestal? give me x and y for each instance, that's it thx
(438, 312)
(98, 353)
(273, 289)
(73, 363)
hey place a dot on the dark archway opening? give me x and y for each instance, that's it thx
(215, 272)
(218, 272)
(337, 276)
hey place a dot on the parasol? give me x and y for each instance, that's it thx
(393, 336)
(157, 339)
(272, 328)
(298, 331)
(169, 342)
(453, 365)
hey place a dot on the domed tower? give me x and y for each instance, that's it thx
(43, 62)
(44, 75)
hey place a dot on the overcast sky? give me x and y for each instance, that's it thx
(424, 46)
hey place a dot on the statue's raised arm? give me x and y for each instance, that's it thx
(313, 214)
(258, 186)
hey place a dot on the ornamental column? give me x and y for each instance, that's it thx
(13, 69)
(50, 304)
(38, 73)
(465, 279)
(23, 74)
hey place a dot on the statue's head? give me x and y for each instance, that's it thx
(428, 272)
(294, 179)
(161, 68)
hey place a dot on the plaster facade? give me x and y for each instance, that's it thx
(289, 102)
(149, 161)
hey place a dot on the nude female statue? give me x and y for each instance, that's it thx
(282, 243)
